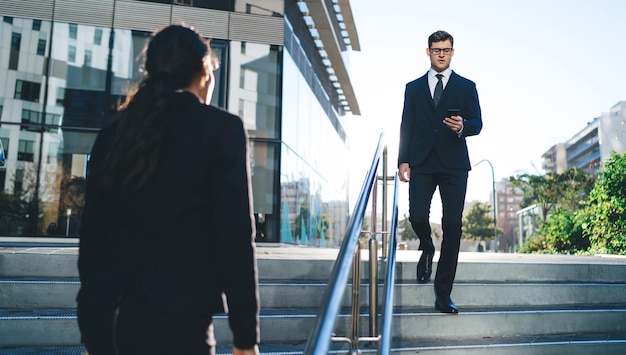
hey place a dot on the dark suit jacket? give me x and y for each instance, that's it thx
(186, 237)
(422, 125)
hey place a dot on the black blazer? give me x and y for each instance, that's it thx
(187, 236)
(422, 125)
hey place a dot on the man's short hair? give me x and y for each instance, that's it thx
(440, 36)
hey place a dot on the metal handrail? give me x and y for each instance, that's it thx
(320, 338)
(384, 346)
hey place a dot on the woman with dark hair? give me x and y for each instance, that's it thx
(167, 228)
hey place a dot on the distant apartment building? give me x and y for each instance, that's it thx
(509, 199)
(64, 64)
(591, 147)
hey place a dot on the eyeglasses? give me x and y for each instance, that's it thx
(437, 51)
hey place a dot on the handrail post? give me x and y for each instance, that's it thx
(374, 207)
(356, 285)
(384, 214)
(373, 262)
(373, 246)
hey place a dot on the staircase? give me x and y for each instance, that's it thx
(509, 304)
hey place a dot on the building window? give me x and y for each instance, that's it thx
(71, 54)
(41, 47)
(8, 19)
(26, 151)
(3, 178)
(19, 180)
(87, 58)
(27, 90)
(60, 96)
(36, 25)
(5, 145)
(53, 119)
(97, 36)
(73, 30)
(31, 117)
(16, 41)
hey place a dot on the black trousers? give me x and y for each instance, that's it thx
(107, 330)
(452, 185)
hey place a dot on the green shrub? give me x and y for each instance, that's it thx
(603, 219)
(563, 233)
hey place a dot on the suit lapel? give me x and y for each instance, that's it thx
(425, 90)
(452, 82)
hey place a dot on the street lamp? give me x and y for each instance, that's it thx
(493, 189)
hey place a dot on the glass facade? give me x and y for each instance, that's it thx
(51, 111)
(62, 80)
(314, 177)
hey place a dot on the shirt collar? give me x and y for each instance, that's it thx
(446, 73)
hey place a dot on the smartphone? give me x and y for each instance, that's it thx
(453, 112)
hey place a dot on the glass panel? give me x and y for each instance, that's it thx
(254, 71)
(264, 171)
(219, 49)
(73, 30)
(78, 77)
(314, 177)
(19, 181)
(41, 47)
(62, 177)
(37, 195)
(260, 7)
(16, 41)
(97, 36)
(127, 64)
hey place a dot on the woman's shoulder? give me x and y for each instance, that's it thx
(213, 115)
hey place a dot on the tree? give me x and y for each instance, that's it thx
(405, 231)
(604, 217)
(552, 189)
(477, 223)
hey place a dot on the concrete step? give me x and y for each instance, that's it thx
(473, 267)
(571, 344)
(61, 293)
(603, 344)
(507, 304)
(54, 327)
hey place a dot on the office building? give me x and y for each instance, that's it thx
(65, 64)
(591, 147)
(509, 200)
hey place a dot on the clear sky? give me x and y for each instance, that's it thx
(543, 70)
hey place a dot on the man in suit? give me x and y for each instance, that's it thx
(433, 153)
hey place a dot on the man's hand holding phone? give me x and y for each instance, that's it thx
(453, 120)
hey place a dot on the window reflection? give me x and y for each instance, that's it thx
(42, 182)
(255, 69)
(47, 138)
(314, 179)
(264, 165)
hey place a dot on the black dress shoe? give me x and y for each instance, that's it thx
(445, 305)
(425, 267)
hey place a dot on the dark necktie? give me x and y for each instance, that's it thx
(438, 89)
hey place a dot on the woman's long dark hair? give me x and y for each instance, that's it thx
(174, 57)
